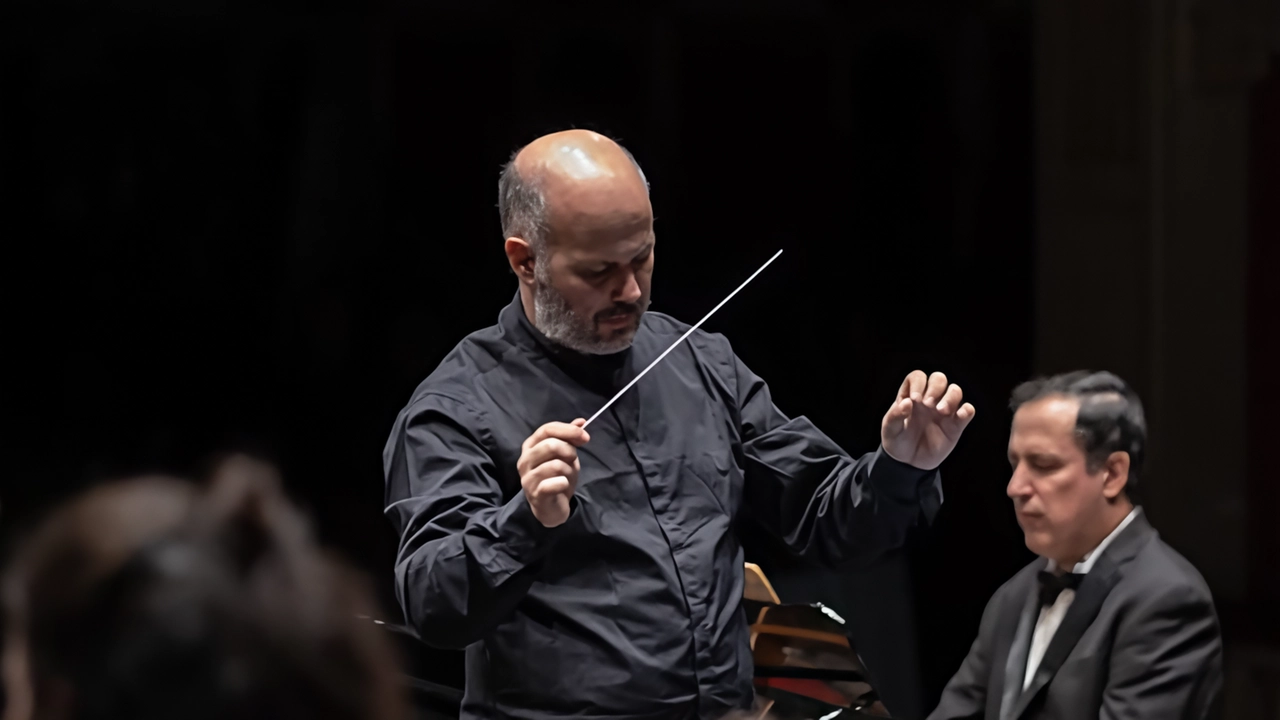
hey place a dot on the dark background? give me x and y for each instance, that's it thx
(238, 226)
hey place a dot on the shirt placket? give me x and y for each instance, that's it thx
(660, 495)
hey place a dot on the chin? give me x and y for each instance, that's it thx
(615, 345)
(1038, 544)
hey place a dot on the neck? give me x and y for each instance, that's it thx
(526, 301)
(1108, 520)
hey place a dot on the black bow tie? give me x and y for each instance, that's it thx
(1051, 585)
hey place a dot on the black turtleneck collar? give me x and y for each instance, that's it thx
(600, 373)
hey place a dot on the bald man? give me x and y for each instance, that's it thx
(596, 574)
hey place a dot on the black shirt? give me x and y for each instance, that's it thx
(631, 608)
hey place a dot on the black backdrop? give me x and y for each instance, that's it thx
(259, 226)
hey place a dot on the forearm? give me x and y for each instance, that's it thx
(456, 587)
(828, 506)
(965, 696)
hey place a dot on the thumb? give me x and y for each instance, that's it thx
(581, 423)
(895, 420)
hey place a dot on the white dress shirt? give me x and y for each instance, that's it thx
(1051, 616)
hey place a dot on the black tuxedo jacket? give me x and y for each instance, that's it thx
(1140, 640)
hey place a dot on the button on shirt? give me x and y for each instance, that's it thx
(1051, 616)
(633, 607)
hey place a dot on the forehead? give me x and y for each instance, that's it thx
(599, 216)
(1047, 420)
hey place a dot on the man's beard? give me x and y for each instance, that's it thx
(555, 319)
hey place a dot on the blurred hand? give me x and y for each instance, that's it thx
(925, 421)
(548, 467)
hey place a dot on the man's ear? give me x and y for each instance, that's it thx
(1117, 474)
(520, 257)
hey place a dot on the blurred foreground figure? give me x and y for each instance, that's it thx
(152, 598)
(1109, 622)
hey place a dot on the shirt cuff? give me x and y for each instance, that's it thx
(527, 540)
(906, 483)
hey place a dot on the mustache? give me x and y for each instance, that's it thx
(619, 310)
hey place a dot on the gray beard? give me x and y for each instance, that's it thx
(554, 318)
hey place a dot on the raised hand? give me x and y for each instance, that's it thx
(548, 467)
(925, 421)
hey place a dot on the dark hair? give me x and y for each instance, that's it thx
(522, 207)
(1110, 418)
(220, 605)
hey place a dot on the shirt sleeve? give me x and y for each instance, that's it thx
(466, 556)
(824, 504)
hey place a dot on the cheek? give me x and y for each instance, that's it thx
(580, 296)
(1062, 502)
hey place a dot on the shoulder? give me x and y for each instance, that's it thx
(1008, 598)
(1021, 580)
(457, 385)
(1159, 576)
(712, 349)
(711, 352)
(663, 327)
(1162, 601)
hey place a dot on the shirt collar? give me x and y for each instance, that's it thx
(1087, 562)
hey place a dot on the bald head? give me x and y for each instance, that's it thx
(576, 155)
(565, 176)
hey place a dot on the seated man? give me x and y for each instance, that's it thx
(1109, 621)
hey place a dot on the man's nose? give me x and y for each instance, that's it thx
(630, 290)
(1018, 484)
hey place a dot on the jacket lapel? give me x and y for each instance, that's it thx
(1084, 609)
(1018, 644)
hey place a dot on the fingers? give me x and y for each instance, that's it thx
(936, 387)
(553, 478)
(568, 432)
(550, 488)
(931, 391)
(913, 386)
(951, 400)
(545, 451)
(965, 415)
